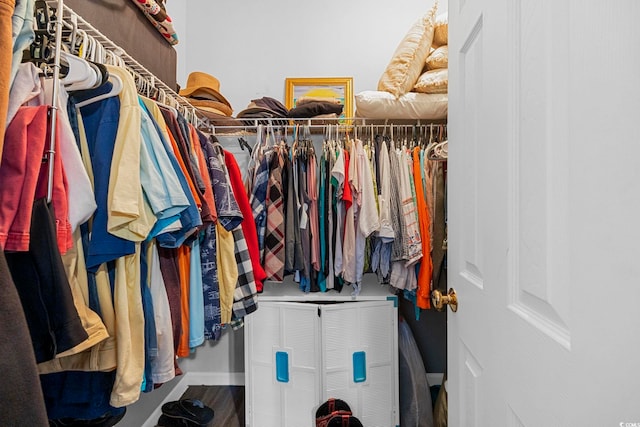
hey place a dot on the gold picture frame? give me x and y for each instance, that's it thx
(339, 88)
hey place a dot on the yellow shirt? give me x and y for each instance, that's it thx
(102, 355)
(227, 271)
(127, 216)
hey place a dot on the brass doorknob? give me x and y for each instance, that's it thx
(440, 300)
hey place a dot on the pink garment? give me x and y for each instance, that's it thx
(352, 188)
(312, 187)
(21, 160)
(24, 178)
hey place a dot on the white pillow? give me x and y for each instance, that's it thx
(441, 30)
(434, 81)
(407, 61)
(439, 58)
(383, 105)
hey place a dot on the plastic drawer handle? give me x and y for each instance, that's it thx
(282, 366)
(359, 367)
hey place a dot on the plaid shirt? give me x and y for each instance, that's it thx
(258, 201)
(245, 295)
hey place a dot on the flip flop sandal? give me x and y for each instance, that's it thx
(344, 421)
(330, 408)
(332, 405)
(191, 410)
(165, 421)
(324, 421)
(107, 420)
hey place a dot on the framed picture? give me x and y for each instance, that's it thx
(338, 89)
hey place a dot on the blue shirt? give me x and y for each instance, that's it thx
(100, 120)
(189, 217)
(159, 180)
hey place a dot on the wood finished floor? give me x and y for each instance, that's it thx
(226, 401)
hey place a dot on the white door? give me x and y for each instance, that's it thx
(544, 213)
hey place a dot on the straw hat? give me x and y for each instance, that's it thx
(211, 106)
(204, 86)
(218, 119)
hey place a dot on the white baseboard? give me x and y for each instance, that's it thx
(195, 378)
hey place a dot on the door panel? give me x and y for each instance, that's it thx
(468, 181)
(471, 74)
(538, 165)
(470, 376)
(544, 201)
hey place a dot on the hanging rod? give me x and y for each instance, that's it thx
(315, 123)
(53, 112)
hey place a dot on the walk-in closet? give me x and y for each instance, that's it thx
(249, 214)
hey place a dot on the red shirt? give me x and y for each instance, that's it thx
(248, 225)
(24, 178)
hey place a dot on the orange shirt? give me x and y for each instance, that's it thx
(425, 272)
(204, 172)
(184, 270)
(185, 171)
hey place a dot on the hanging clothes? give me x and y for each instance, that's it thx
(425, 271)
(274, 242)
(294, 257)
(144, 209)
(258, 190)
(381, 255)
(20, 377)
(54, 323)
(323, 219)
(229, 218)
(367, 219)
(329, 152)
(244, 298)
(162, 362)
(439, 226)
(7, 9)
(22, 33)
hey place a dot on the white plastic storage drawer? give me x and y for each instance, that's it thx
(298, 354)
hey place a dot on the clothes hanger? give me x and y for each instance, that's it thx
(102, 75)
(438, 150)
(116, 87)
(73, 36)
(244, 144)
(80, 75)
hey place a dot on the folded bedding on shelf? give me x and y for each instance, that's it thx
(383, 105)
